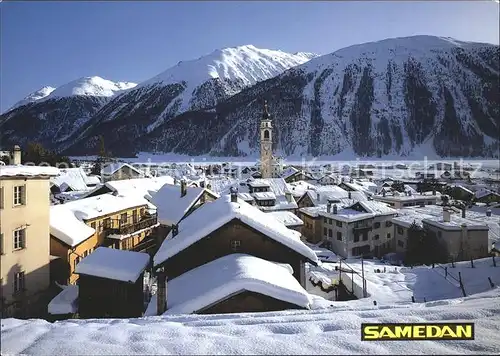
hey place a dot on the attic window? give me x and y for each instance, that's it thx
(235, 245)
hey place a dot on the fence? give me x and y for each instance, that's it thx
(457, 279)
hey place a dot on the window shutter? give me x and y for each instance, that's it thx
(23, 195)
(1, 243)
(25, 231)
(1, 197)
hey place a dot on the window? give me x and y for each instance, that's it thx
(19, 282)
(339, 236)
(325, 220)
(400, 230)
(123, 218)
(356, 238)
(401, 243)
(388, 223)
(19, 195)
(92, 225)
(330, 221)
(19, 239)
(142, 212)
(330, 233)
(339, 223)
(235, 245)
(325, 230)
(376, 237)
(1, 197)
(376, 225)
(107, 223)
(388, 235)
(365, 237)
(85, 253)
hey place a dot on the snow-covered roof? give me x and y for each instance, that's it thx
(287, 218)
(113, 167)
(74, 178)
(332, 192)
(110, 263)
(66, 302)
(289, 171)
(406, 198)
(226, 276)
(455, 223)
(67, 220)
(264, 196)
(28, 171)
(277, 186)
(351, 214)
(171, 206)
(209, 217)
(481, 193)
(141, 186)
(300, 187)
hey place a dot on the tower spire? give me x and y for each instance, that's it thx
(265, 114)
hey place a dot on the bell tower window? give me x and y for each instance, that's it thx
(266, 134)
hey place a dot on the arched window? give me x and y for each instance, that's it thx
(266, 134)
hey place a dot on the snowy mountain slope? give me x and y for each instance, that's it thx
(190, 85)
(392, 97)
(35, 96)
(51, 115)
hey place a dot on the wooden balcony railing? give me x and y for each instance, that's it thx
(131, 227)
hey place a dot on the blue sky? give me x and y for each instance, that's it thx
(52, 43)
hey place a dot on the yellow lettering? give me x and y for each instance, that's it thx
(464, 331)
(446, 331)
(419, 331)
(404, 331)
(371, 332)
(386, 333)
(433, 331)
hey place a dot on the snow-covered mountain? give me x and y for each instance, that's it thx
(35, 96)
(51, 115)
(413, 96)
(190, 85)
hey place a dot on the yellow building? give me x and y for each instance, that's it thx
(24, 236)
(77, 228)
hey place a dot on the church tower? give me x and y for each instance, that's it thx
(266, 144)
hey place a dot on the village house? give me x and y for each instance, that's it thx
(238, 283)
(486, 196)
(401, 200)
(174, 203)
(136, 186)
(119, 171)
(24, 237)
(299, 188)
(229, 225)
(111, 284)
(287, 218)
(73, 180)
(322, 194)
(361, 229)
(462, 238)
(292, 174)
(271, 194)
(79, 227)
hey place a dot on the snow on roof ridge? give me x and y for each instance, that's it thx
(211, 216)
(232, 274)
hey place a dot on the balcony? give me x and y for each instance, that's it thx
(129, 227)
(361, 228)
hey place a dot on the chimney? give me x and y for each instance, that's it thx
(349, 194)
(383, 192)
(234, 195)
(16, 155)
(433, 191)
(175, 230)
(488, 212)
(463, 212)
(328, 207)
(183, 188)
(335, 209)
(317, 196)
(288, 197)
(161, 294)
(446, 215)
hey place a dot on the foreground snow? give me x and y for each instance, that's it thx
(330, 331)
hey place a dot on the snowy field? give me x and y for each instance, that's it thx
(330, 331)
